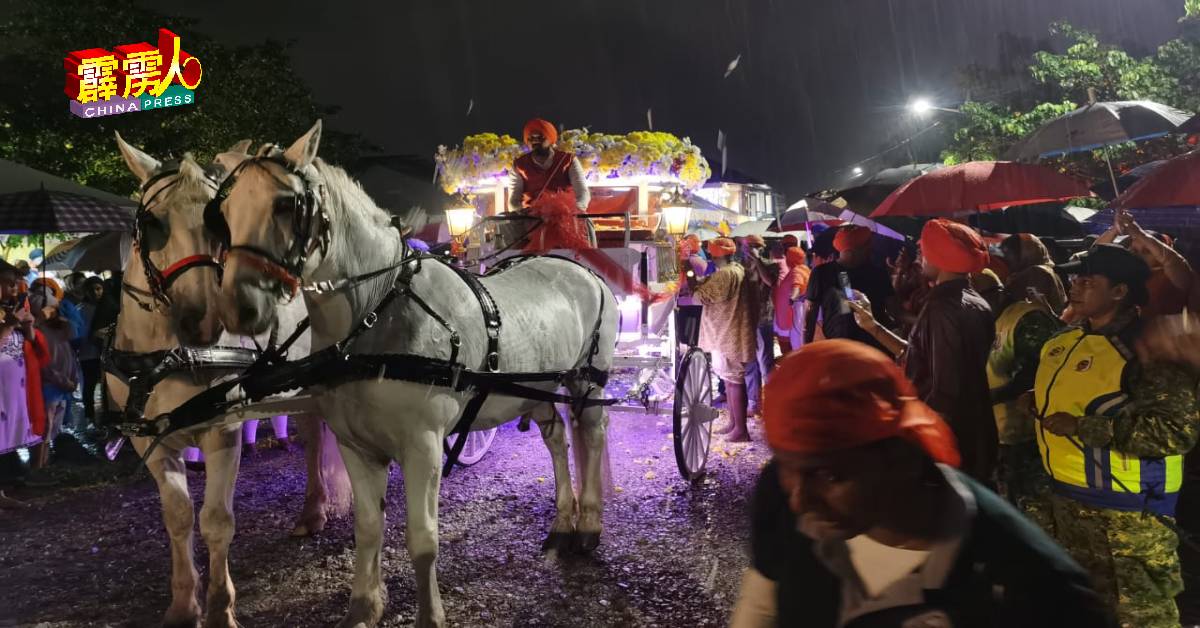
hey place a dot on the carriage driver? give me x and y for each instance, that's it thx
(544, 169)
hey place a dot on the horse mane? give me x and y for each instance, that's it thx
(348, 200)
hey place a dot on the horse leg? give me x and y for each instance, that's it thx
(554, 433)
(178, 518)
(421, 462)
(368, 595)
(222, 454)
(312, 516)
(589, 432)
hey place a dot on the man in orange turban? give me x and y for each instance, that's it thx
(947, 350)
(861, 519)
(728, 329)
(853, 270)
(545, 169)
(788, 300)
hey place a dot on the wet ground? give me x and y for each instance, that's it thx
(671, 555)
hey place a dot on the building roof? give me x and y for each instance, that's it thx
(732, 175)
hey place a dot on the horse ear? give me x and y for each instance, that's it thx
(142, 166)
(229, 161)
(241, 147)
(304, 150)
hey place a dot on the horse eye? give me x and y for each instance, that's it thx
(284, 204)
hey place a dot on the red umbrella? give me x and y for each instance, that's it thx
(1175, 183)
(980, 186)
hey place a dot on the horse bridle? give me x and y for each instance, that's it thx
(159, 281)
(307, 235)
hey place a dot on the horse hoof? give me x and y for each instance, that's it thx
(585, 542)
(308, 527)
(558, 542)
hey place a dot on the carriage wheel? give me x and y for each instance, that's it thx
(477, 445)
(694, 414)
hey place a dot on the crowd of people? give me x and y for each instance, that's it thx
(971, 434)
(52, 336)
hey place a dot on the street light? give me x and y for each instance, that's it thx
(857, 171)
(676, 213)
(920, 106)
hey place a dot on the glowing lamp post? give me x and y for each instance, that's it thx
(676, 213)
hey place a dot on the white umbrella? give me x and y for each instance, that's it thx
(753, 227)
(858, 219)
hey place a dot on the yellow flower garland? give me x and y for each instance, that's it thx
(603, 156)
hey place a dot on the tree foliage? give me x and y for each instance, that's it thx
(246, 92)
(1057, 82)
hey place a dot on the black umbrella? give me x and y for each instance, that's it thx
(1105, 189)
(48, 211)
(1043, 220)
(863, 198)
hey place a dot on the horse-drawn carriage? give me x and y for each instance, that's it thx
(654, 372)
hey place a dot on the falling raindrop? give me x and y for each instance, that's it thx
(470, 106)
(732, 65)
(649, 120)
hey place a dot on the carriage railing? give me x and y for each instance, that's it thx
(495, 235)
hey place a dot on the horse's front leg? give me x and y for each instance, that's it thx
(368, 595)
(312, 516)
(222, 453)
(590, 433)
(554, 433)
(178, 517)
(421, 461)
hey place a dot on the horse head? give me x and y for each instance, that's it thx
(178, 260)
(270, 211)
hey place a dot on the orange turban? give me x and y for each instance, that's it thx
(790, 240)
(795, 256)
(953, 247)
(851, 237)
(721, 247)
(752, 240)
(840, 394)
(689, 245)
(50, 283)
(538, 125)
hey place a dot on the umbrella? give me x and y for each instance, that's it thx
(753, 227)
(47, 211)
(980, 186)
(1191, 126)
(94, 253)
(704, 234)
(805, 211)
(864, 198)
(1173, 184)
(879, 229)
(1098, 125)
(1044, 220)
(1105, 189)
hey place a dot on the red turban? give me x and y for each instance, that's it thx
(953, 247)
(851, 237)
(795, 256)
(840, 394)
(721, 247)
(752, 240)
(538, 125)
(790, 240)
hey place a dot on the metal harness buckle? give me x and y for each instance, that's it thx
(370, 320)
(493, 362)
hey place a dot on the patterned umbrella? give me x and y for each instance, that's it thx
(50, 211)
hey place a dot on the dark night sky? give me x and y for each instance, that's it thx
(820, 84)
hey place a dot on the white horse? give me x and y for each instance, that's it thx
(173, 232)
(555, 315)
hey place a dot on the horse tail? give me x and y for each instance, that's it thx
(333, 470)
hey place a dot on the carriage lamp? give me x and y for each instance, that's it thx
(676, 213)
(459, 220)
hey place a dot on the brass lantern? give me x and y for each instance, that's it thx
(676, 213)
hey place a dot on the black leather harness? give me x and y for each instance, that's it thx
(273, 374)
